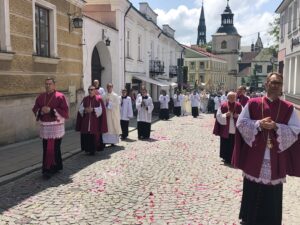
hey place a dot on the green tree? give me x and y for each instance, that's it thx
(243, 81)
(207, 46)
(274, 32)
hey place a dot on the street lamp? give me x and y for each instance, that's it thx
(180, 75)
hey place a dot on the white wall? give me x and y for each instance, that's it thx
(109, 55)
(291, 84)
(162, 47)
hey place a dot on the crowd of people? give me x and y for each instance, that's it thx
(259, 133)
(260, 136)
(102, 120)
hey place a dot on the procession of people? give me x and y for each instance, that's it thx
(258, 135)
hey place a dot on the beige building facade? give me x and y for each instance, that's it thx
(226, 44)
(206, 70)
(37, 40)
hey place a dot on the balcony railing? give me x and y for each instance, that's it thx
(156, 67)
(172, 71)
(232, 72)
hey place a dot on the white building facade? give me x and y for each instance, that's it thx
(101, 54)
(289, 48)
(151, 52)
(141, 53)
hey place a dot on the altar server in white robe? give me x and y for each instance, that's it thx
(126, 113)
(195, 102)
(144, 105)
(178, 100)
(164, 105)
(112, 103)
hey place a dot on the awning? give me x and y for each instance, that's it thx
(150, 80)
(172, 84)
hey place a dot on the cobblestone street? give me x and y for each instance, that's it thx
(174, 178)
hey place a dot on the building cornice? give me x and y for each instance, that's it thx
(283, 5)
(78, 3)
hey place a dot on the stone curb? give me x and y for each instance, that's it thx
(23, 172)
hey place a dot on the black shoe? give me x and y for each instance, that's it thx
(46, 175)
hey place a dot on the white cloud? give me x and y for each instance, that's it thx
(248, 19)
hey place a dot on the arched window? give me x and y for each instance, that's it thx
(223, 45)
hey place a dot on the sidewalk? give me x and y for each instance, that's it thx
(24, 157)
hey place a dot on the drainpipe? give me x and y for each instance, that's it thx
(127, 11)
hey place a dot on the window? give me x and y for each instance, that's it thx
(140, 48)
(158, 52)
(290, 19)
(201, 79)
(128, 44)
(42, 31)
(298, 11)
(258, 68)
(192, 65)
(201, 65)
(152, 50)
(295, 16)
(223, 45)
(4, 26)
(282, 26)
(192, 77)
(269, 68)
(45, 32)
(171, 58)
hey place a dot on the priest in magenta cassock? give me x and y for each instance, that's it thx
(51, 110)
(241, 97)
(91, 121)
(112, 104)
(267, 148)
(225, 125)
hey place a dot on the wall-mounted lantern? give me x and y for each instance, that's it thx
(107, 42)
(75, 21)
(105, 38)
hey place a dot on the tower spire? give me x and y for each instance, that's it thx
(201, 37)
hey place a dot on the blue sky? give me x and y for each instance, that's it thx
(251, 17)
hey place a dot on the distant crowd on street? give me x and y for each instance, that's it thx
(259, 133)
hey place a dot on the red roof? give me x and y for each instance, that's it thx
(203, 51)
(247, 57)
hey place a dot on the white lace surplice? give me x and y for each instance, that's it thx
(286, 136)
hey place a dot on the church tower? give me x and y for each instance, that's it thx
(201, 37)
(226, 44)
(258, 45)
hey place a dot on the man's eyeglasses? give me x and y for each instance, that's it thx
(91, 89)
(275, 82)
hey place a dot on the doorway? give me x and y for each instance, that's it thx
(96, 67)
